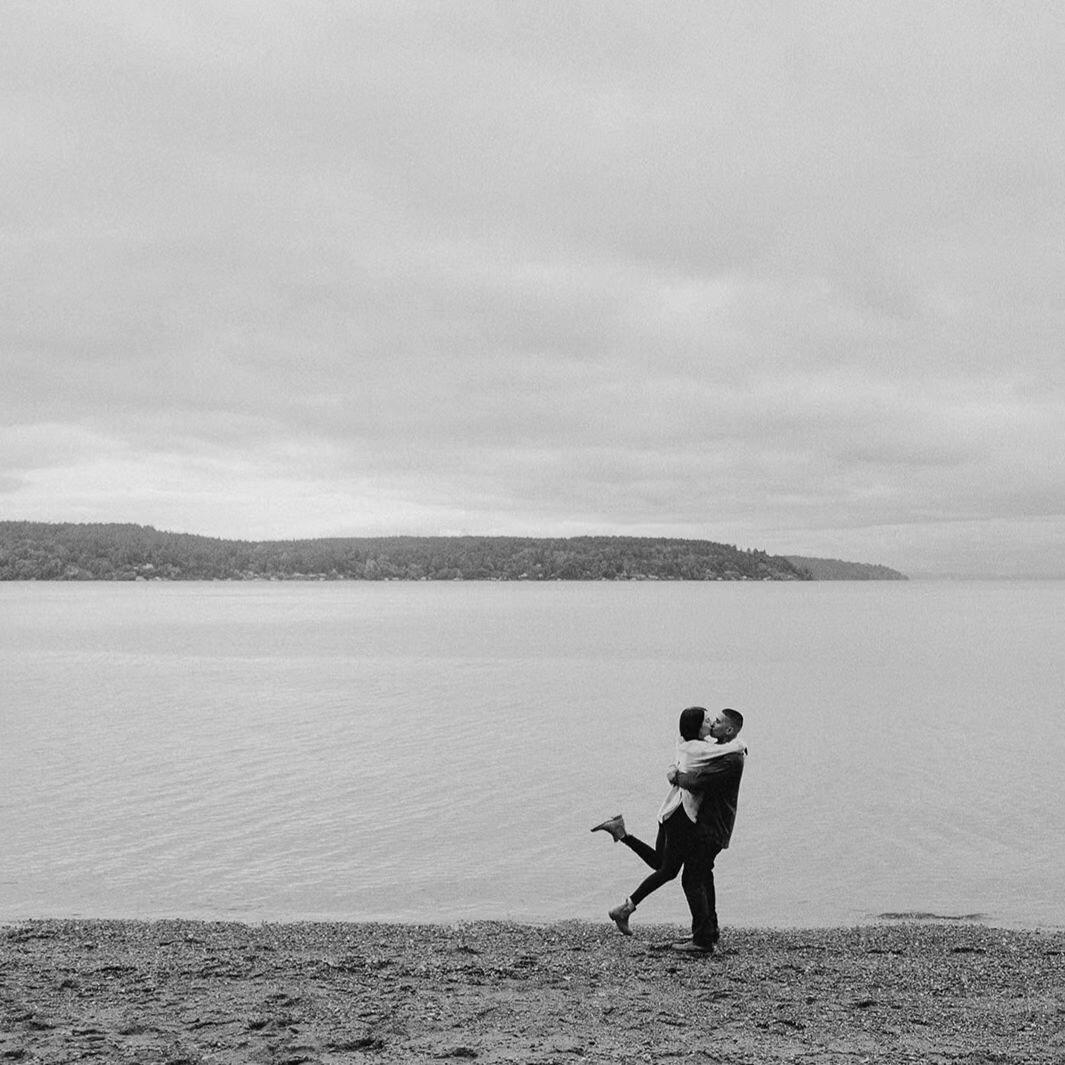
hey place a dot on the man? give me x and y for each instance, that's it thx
(677, 817)
(717, 784)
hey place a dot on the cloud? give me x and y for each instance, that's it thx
(781, 276)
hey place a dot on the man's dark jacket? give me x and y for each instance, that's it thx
(718, 784)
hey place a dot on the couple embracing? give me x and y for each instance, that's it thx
(694, 822)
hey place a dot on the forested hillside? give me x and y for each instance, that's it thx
(833, 569)
(46, 551)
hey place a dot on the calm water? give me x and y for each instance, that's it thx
(439, 751)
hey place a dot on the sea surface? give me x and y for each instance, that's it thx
(438, 751)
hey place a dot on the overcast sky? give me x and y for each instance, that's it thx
(786, 275)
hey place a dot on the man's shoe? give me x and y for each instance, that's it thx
(715, 937)
(692, 948)
(614, 825)
(620, 916)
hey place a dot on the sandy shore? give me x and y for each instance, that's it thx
(189, 992)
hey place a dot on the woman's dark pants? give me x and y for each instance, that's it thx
(671, 849)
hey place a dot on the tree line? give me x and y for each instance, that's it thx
(67, 552)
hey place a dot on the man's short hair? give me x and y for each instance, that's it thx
(691, 721)
(734, 716)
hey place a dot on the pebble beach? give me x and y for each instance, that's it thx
(183, 992)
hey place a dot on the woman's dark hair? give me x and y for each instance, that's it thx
(691, 720)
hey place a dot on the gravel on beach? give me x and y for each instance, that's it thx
(186, 992)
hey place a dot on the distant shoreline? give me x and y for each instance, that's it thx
(498, 991)
(77, 552)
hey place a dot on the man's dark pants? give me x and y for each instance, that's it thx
(698, 884)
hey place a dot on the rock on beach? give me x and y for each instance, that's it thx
(184, 992)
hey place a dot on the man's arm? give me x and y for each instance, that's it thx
(708, 775)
